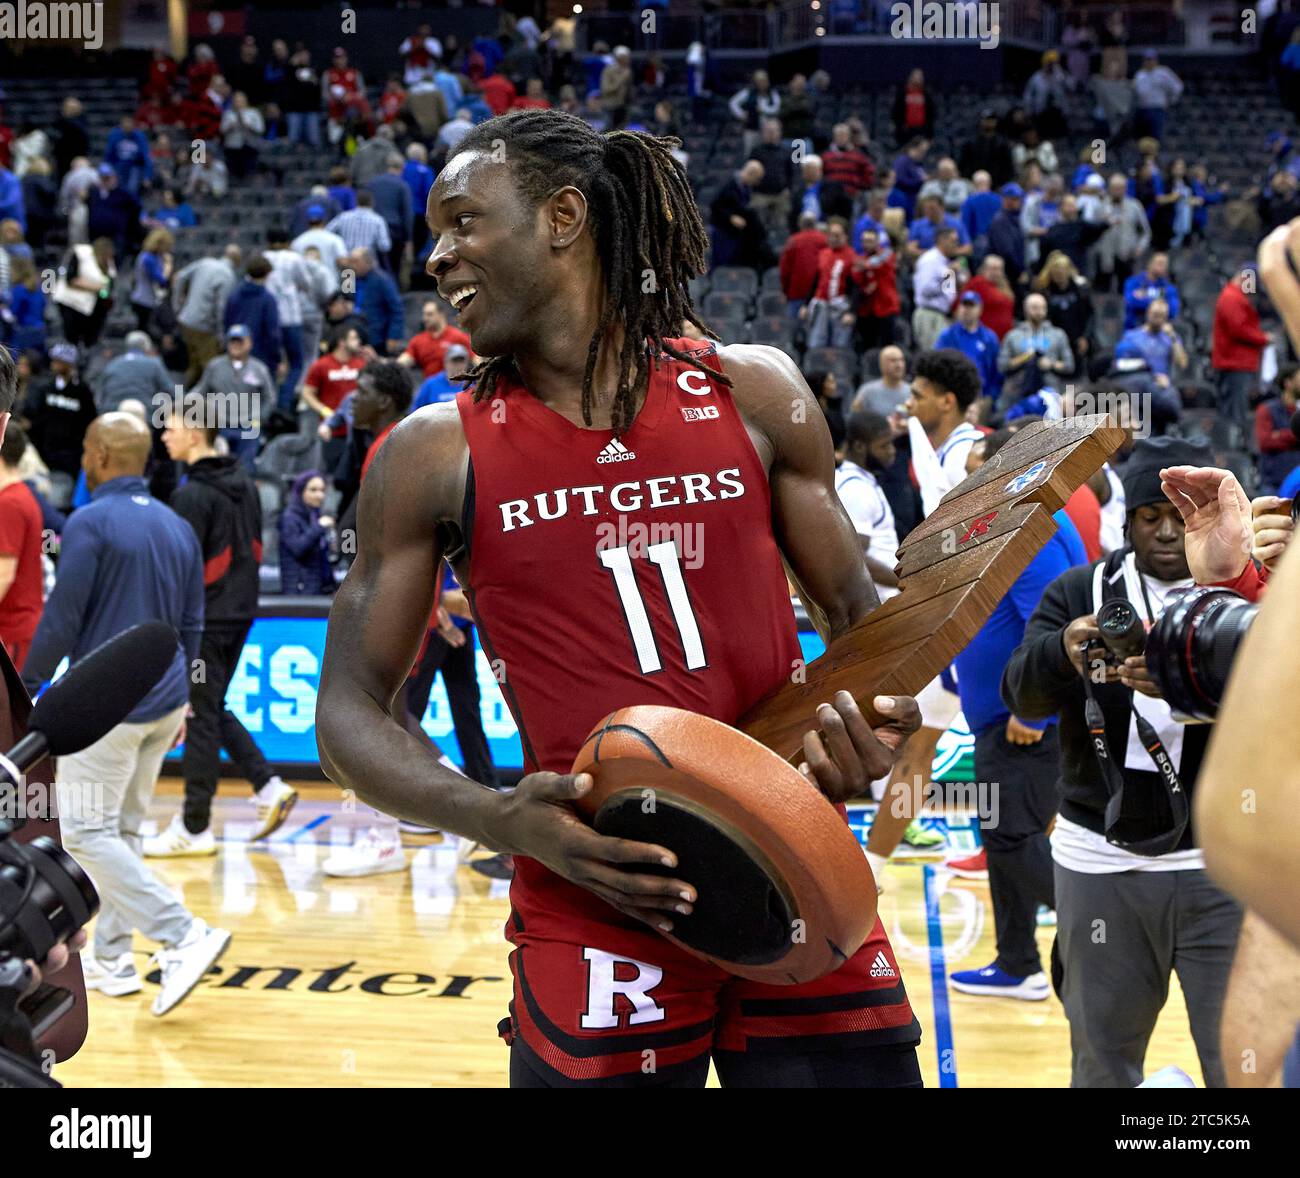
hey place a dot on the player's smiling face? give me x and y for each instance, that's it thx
(488, 252)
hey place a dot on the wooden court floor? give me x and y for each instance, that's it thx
(400, 980)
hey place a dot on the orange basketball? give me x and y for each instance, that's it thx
(785, 893)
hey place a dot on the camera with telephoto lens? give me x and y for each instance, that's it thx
(1123, 633)
(1191, 648)
(45, 898)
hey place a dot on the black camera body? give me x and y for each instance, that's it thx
(45, 898)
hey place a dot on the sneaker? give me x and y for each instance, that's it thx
(922, 837)
(184, 965)
(274, 801)
(113, 978)
(177, 843)
(974, 866)
(373, 853)
(996, 983)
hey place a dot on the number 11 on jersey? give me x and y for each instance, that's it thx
(619, 563)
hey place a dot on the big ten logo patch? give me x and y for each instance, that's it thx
(700, 412)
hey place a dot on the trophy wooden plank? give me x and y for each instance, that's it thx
(1049, 481)
(976, 531)
(953, 570)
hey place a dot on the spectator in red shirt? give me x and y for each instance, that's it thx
(875, 274)
(535, 96)
(798, 266)
(428, 347)
(913, 110)
(498, 92)
(202, 69)
(1238, 344)
(155, 112)
(1279, 450)
(846, 165)
(161, 79)
(830, 314)
(345, 94)
(21, 529)
(330, 379)
(392, 100)
(999, 299)
(1084, 510)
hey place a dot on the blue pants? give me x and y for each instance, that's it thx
(304, 127)
(291, 339)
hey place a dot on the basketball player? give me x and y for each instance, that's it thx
(568, 254)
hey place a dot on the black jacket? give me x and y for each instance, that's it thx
(1040, 681)
(992, 153)
(1070, 309)
(219, 501)
(59, 418)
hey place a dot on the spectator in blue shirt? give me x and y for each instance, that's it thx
(127, 153)
(1022, 757)
(909, 174)
(443, 386)
(1203, 197)
(873, 219)
(970, 337)
(173, 212)
(1143, 289)
(12, 206)
(252, 305)
(1155, 343)
(920, 234)
(378, 302)
(979, 209)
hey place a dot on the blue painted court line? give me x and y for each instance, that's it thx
(943, 1045)
(312, 825)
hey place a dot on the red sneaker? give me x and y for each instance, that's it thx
(972, 867)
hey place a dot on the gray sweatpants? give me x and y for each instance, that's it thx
(1119, 936)
(104, 794)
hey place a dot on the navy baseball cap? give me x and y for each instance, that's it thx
(316, 212)
(1012, 189)
(971, 296)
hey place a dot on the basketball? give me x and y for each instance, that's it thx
(785, 894)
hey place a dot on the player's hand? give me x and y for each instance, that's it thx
(57, 959)
(1076, 638)
(450, 633)
(1134, 675)
(538, 820)
(845, 754)
(1216, 515)
(1273, 528)
(1019, 732)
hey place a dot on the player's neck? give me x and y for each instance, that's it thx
(943, 430)
(554, 372)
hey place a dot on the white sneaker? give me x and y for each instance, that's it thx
(113, 978)
(184, 965)
(274, 801)
(374, 853)
(177, 843)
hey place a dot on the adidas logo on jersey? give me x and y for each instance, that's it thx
(880, 968)
(615, 452)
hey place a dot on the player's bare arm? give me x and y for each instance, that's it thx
(824, 555)
(376, 625)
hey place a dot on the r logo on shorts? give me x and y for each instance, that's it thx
(608, 976)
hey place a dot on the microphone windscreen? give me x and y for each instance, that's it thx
(99, 691)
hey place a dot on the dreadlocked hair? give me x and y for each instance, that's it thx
(646, 225)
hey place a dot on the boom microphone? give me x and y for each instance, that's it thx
(93, 696)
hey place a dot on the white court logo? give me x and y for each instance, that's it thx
(694, 382)
(602, 986)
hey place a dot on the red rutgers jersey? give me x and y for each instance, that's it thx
(607, 572)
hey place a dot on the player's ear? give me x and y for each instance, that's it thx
(567, 214)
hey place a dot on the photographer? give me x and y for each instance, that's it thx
(1125, 919)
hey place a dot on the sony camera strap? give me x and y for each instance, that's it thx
(1116, 834)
